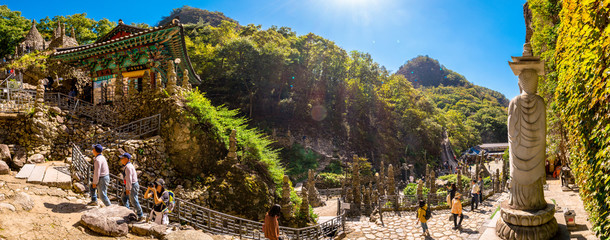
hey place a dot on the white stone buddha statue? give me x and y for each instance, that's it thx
(527, 143)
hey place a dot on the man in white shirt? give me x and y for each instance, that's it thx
(101, 176)
(474, 203)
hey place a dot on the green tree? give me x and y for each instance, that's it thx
(13, 28)
(87, 30)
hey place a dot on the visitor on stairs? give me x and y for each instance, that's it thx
(132, 188)
(101, 176)
(159, 213)
(480, 190)
(271, 228)
(456, 210)
(474, 204)
(421, 217)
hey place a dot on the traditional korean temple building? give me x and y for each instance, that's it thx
(127, 53)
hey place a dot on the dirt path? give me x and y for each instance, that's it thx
(55, 214)
(330, 210)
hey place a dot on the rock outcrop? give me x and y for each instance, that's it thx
(5, 153)
(36, 158)
(19, 158)
(4, 168)
(23, 201)
(109, 221)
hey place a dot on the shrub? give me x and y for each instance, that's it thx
(452, 178)
(411, 189)
(329, 180)
(300, 160)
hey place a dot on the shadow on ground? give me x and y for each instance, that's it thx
(66, 207)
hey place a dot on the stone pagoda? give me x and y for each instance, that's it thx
(33, 41)
(60, 39)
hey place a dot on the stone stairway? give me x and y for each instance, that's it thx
(45, 174)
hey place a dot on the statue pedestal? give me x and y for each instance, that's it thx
(531, 225)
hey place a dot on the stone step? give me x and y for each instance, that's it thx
(25, 171)
(37, 174)
(55, 178)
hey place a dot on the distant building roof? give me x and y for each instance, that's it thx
(492, 147)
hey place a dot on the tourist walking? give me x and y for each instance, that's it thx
(452, 191)
(101, 176)
(421, 217)
(474, 203)
(132, 187)
(271, 228)
(480, 190)
(161, 197)
(456, 210)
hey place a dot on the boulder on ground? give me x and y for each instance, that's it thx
(4, 168)
(109, 221)
(19, 159)
(79, 187)
(36, 158)
(23, 201)
(187, 235)
(5, 207)
(55, 110)
(5, 153)
(148, 229)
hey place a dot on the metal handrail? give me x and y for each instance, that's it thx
(102, 114)
(207, 219)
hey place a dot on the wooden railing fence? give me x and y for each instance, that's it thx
(207, 219)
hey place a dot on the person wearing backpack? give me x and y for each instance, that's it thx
(132, 188)
(456, 210)
(423, 214)
(159, 213)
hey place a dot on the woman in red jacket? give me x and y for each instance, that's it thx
(271, 228)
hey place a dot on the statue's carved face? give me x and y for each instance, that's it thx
(528, 81)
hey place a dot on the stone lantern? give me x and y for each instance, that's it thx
(526, 215)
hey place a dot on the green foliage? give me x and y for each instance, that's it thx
(411, 189)
(329, 180)
(426, 71)
(299, 161)
(252, 144)
(34, 60)
(275, 77)
(195, 16)
(334, 167)
(87, 30)
(452, 178)
(471, 114)
(487, 182)
(572, 36)
(13, 28)
(303, 220)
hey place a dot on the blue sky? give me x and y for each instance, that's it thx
(473, 38)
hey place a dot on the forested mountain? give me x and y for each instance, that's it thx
(193, 15)
(475, 114)
(319, 92)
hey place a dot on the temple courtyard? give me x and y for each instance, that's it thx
(476, 225)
